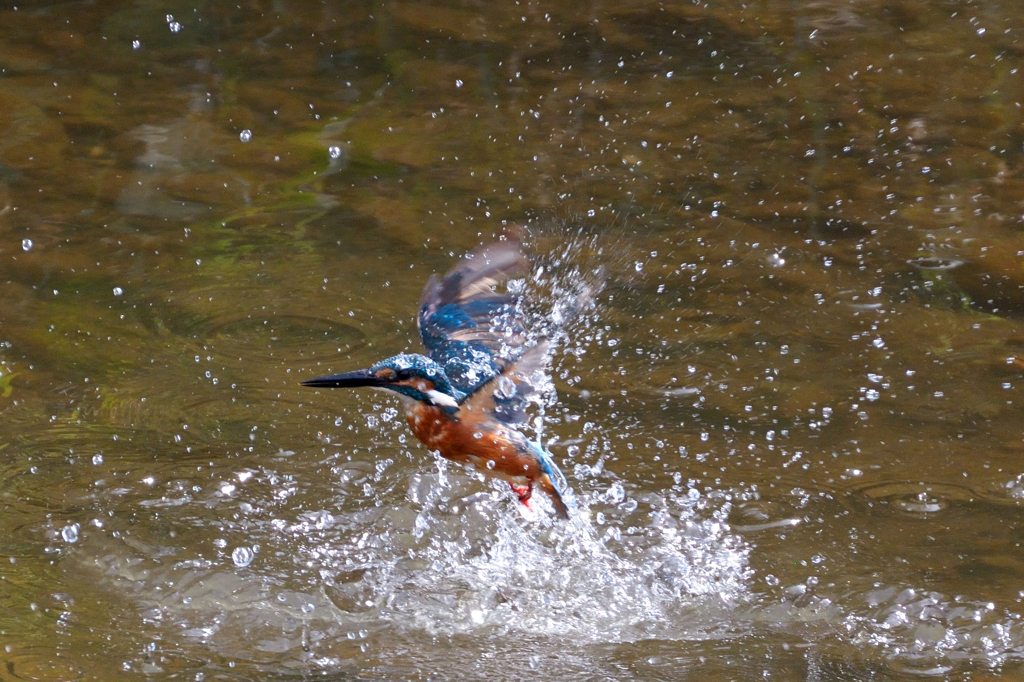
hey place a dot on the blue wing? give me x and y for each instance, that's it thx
(469, 329)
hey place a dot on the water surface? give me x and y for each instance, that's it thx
(792, 420)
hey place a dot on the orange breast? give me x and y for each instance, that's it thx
(466, 442)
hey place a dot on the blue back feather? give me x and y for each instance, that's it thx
(467, 328)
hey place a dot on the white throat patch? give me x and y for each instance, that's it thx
(442, 399)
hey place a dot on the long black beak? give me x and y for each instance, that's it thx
(363, 377)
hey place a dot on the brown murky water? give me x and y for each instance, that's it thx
(794, 421)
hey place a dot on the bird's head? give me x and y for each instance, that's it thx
(411, 375)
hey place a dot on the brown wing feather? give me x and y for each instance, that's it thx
(473, 278)
(520, 376)
(468, 328)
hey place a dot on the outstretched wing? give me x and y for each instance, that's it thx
(507, 394)
(469, 329)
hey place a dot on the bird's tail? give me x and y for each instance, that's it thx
(561, 508)
(552, 481)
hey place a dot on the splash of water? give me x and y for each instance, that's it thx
(469, 565)
(451, 559)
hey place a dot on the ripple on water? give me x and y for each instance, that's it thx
(248, 351)
(261, 332)
(1009, 492)
(55, 469)
(39, 663)
(924, 498)
(916, 498)
(257, 353)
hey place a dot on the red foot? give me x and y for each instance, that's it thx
(523, 492)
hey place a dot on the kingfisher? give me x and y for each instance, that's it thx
(466, 398)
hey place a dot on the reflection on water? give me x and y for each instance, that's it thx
(792, 421)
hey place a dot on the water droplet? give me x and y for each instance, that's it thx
(26, 244)
(245, 135)
(458, 83)
(118, 291)
(242, 556)
(70, 533)
(174, 26)
(922, 503)
(136, 44)
(506, 387)
(334, 152)
(97, 459)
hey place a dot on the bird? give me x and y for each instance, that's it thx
(466, 398)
